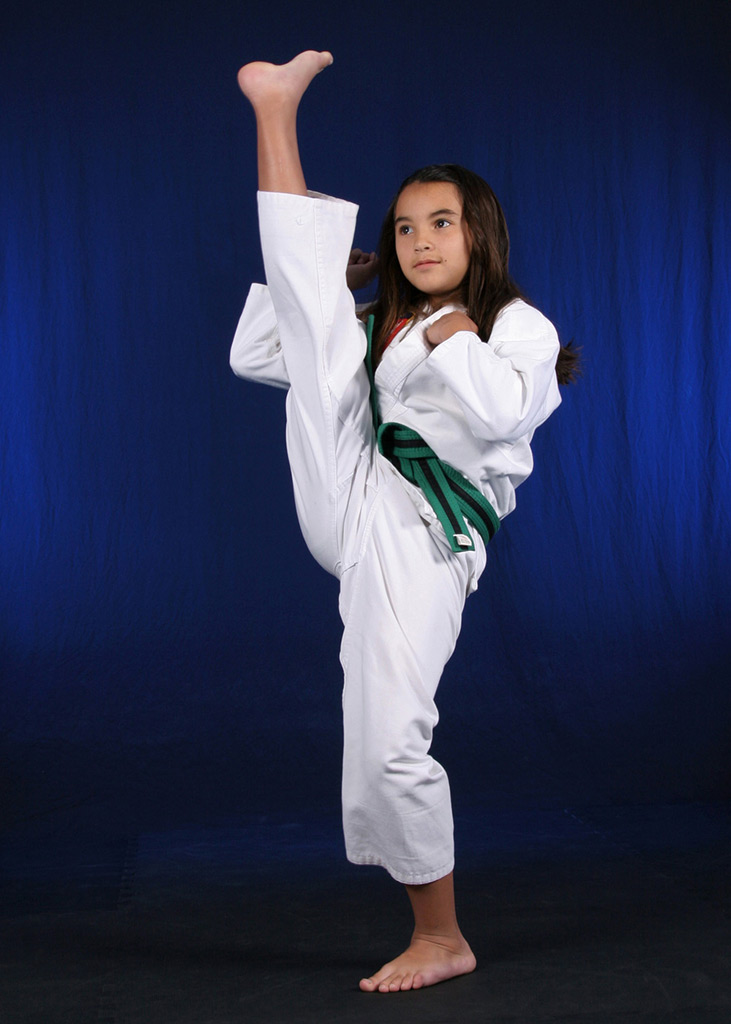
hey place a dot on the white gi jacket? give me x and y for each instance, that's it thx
(475, 403)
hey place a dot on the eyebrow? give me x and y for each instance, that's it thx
(436, 213)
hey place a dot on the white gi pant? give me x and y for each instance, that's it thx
(402, 589)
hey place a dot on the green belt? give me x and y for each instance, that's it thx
(451, 495)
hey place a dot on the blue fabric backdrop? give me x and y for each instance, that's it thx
(157, 604)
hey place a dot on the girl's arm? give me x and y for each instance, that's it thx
(507, 386)
(256, 353)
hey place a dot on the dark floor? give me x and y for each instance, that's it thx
(599, 915)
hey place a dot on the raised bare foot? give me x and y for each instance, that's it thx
(279, 84)
(425, 962)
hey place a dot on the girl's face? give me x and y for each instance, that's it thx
(432, 241)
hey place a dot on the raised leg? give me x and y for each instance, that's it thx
(306, 244)
(275, 91)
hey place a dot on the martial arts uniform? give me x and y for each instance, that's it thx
(402, 588)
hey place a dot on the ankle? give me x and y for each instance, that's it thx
(451, 938)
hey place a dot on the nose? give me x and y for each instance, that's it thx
(422, 242)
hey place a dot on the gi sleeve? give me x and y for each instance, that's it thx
(507, 386)
(256, 353)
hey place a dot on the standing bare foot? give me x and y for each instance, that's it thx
(267, 85)
(427, 961)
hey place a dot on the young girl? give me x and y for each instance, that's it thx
(396, 495)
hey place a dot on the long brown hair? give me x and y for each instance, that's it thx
(487, 287)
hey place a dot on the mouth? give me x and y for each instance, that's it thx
(425, 263)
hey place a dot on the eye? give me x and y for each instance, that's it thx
(442, 223)
(404, 229)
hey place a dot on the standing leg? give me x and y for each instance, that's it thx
(402, 605)
(438, 950)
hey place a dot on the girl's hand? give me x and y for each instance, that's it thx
(448, 325)
(361, 269)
